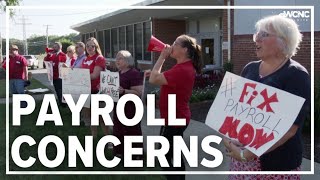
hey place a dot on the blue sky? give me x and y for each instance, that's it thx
(59, 20)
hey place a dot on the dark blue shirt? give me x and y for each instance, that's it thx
(292, 77)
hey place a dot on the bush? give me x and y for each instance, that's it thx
(204, 94)
(198, 94)
(228, 66)
(209, 78)
(316, 115)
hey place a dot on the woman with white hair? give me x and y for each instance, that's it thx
(131, 82)
(277, 40)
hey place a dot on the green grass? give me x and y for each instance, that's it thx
(28, 128)
(34, 85)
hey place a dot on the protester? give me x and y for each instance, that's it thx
(18, 72)
(131, 82)
(81, 55)
(57, 57)
(96, 63)
(178, 80)
(277, 40)
(71, 55)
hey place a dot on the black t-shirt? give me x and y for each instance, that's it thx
(293, 78)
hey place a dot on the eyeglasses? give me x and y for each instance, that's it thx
(13, 49)
(69, 51)
(261, 35)
(90, 46)
(78, 47)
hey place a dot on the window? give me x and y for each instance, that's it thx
(101, 41)
(83, 37)
(122, 38)
(146, 39)
(107, 52)
(129, 39)
(114, 42)
(138, 41)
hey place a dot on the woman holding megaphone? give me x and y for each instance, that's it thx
(178, 80)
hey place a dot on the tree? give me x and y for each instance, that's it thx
(3, 5)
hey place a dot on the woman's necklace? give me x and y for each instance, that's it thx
(274, 70)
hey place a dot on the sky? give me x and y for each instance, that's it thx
(59, 20)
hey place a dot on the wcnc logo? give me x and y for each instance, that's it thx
(296, 15)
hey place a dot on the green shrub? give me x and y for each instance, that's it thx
(228, 66)
(198, 94)
(316, 115)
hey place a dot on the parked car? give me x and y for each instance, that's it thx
(32, 61)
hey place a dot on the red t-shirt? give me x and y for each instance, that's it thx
(17, 63)
(56, 59)
(90, 63)
(72, 61)
(180, 80)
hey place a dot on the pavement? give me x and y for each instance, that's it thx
(195, 128)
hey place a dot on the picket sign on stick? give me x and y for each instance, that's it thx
(109, 84)
(49, 67)
(76, 81)
(252, 113)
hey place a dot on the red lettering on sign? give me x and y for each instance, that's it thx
(246, 134)
(229, 126)
(267, 100)
(261, 139)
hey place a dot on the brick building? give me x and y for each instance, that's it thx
(223, 34)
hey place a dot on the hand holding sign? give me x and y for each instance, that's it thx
(254, 114)
(110, 84)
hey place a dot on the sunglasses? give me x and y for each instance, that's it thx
(13, 49)
(90, 46)
(69, 51)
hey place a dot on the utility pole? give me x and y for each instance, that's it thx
(23, 19)
(47, 32)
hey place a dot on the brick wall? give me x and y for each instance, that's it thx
(167, 31)
(243, 51)
(225, 28)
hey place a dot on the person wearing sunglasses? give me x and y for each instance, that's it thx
(96, 63)
(81, 54)
(277, 41)
(18, 72)
(71, 54)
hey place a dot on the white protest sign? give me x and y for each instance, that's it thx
(252, 113)
(49, 67)
(109, 84)
(76, 82)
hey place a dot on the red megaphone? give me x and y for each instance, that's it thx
(49, 50)
(155, 44)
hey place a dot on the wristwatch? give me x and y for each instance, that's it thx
(242, 156)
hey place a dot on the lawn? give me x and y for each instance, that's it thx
(28, 128)
(34, 85)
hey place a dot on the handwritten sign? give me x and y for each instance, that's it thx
(49, 67)
(109, 84)
(254, 114)
(76, 82)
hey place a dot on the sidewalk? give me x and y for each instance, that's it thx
(197, 129)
